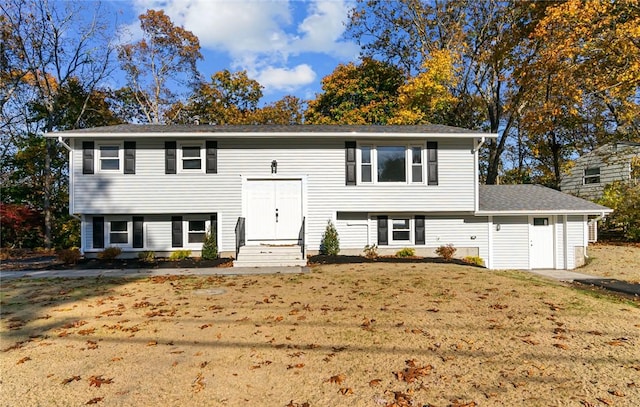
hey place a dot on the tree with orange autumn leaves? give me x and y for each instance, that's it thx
(552, 78)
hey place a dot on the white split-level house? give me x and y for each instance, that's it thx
(261, 189)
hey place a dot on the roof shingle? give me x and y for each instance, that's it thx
(532, 198)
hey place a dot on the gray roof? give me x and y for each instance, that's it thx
(281, 130)
(529, 198)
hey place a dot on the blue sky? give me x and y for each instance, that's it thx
(286, 45)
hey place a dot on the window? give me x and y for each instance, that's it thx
(197, 230)
(401, 230)
(119, 232)
(109, 157)
(592, 176)
(365, 165)
(191, 158)
(416, 164)
(540, 221)
(392, 164)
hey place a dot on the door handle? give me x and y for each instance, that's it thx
(276, 215)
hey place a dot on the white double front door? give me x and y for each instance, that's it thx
(274, 210)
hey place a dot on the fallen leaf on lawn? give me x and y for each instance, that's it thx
(152, 343)
(86, 331)
(99, 381)
(604, 401)
(457, 403)
(375, 382)
(71, 379)
(345, 391)
(296, 366)
(292, 404)
(616, 393)
(205, 326)
(530, 341)
(337, 379)
(198, 383)
(561, 346)
(95, 400)
(24, 359)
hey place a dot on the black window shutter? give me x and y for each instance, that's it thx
(420, 238)
(350, 160)
(432, 162)
(212, 157)
(87, 157)
(176, 231)
(138, 232)
(129, 157)
(98, 232)
(383, 230)
(170, 157)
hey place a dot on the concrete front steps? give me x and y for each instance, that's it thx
(270, 256)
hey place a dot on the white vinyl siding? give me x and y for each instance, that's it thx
(352, 229)
(463, 231)
(576, 229)
(322, 162)
(510, 242)
(560, 242)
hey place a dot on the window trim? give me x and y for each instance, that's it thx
(98, 157)
(409, 229)
(408, 150)
(129, 232)
(190, 232)
(180, 158)
(206, 217)
(593, 178)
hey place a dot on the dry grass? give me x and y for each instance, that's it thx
(620, 262)
(363, 335)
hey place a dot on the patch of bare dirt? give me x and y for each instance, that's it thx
(371, 334)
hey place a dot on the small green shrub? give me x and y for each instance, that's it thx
(330, 241)
(446, 252)
(69, 256)
(371, 251)
(475, 260)
(406, 252)
(148, 256)
(209, 247)
(180, 255)
(110, 253)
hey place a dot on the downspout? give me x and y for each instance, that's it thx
(65, 145)
(475, 150)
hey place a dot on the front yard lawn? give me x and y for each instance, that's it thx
(371, 334)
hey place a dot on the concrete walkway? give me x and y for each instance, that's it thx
(141, 273)
(606, 283)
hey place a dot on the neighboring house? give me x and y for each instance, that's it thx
(267, 193)
(600, 167)
(595, 170)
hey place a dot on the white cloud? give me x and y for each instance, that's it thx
(259, 35)
(284, 79)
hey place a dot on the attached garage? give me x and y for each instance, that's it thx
(534, 227)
